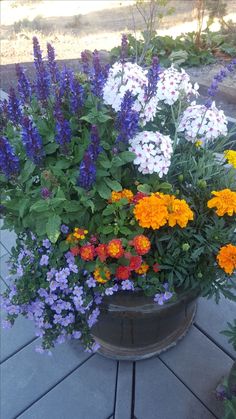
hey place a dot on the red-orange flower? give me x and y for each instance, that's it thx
(143, 269)
(102, 275)
(135, 262)
(75, 250)
(141, 244)
(101, 251)
(115, 249)
(87, 252)
(156, 267)
(138, 196)
(122, 272)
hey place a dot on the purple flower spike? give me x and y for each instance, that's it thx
(42, 76)
(99, 75)
(14, 110)
(24, 87)
(127, 119)
(87, 175)
(124, 48)
(9, 162)
(32, 141)
(54, 72)
(63, 131)
(217, 79)
(153, 77)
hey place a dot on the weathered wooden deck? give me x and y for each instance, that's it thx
(179, 384)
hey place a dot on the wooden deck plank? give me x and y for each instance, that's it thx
(88, 393)
(200, 365)
(160, 395)
(28, 375)
(8, 239)
(212, 318)
(124, 391)
(16, 338)
(4, 268)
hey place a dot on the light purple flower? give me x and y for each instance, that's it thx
(39, 349)
(6, 324)
(76, 334)
(69, 257)
(91, 282)
(64, 229)
(42, 292)
(127, 285)
(73, 268)
(20, 271)
(93, 317)
(44, 260)
(47, 243)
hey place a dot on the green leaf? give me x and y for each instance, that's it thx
(50, 148)
(107, 230)
(127, 156)
(40, 206)
(23, 205)
(56, 202)
(103, 191)
(113, 184)
(72, 206)
(145, 188)
(108, 210)
(126, 231)
(27, 170)
(53, 227)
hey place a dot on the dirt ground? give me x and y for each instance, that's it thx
(72, 26)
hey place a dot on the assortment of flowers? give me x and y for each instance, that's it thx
(101, 205)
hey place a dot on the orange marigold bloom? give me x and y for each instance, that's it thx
(80, 233)
(179, 211)
(143, 269)
(102, 275)
(87, 252)
(122, 272)
(224, 202)
(227, 258)
(101, 251)
(151, 212)
(115, 249)
(125, 193)
(70, 238)
(141, 244)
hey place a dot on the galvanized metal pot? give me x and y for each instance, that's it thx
(132, 326)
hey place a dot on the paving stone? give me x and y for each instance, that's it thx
(8, 239)
(200, 365)
(12, 340)
(28, 375)
(4, 269)
(88, 393)
(160, 395)
(124, 390)
(213, 318)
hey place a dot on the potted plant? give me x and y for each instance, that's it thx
(227, 390)
(123, 210)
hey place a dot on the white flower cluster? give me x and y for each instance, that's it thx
(153, 152)
(129, 76)
(173, 85)
(201, 123)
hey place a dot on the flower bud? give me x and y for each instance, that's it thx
(181, 178)
(202, 184)
(185, 247)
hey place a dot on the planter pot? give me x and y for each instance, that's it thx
(232, 380)
(132, 326)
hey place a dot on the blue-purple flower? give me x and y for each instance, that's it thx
(24, 87)
(153, 77)
(52, 65)
(13, 109)
(127, 119)
(217, 79)
(9, 162)
(42, 77)
(63, 130)
(32, 141)
(87, 173)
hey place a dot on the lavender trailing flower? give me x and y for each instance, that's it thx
(9, 162)
(32, 141)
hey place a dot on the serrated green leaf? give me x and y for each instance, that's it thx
(103, 190)
(40, 206)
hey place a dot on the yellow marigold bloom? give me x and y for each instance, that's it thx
(102, 275)
(230, 155)
(179, 211)
(143, 269)
(151, 212)
(227, 258)
(125, 193)
(224, 202)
